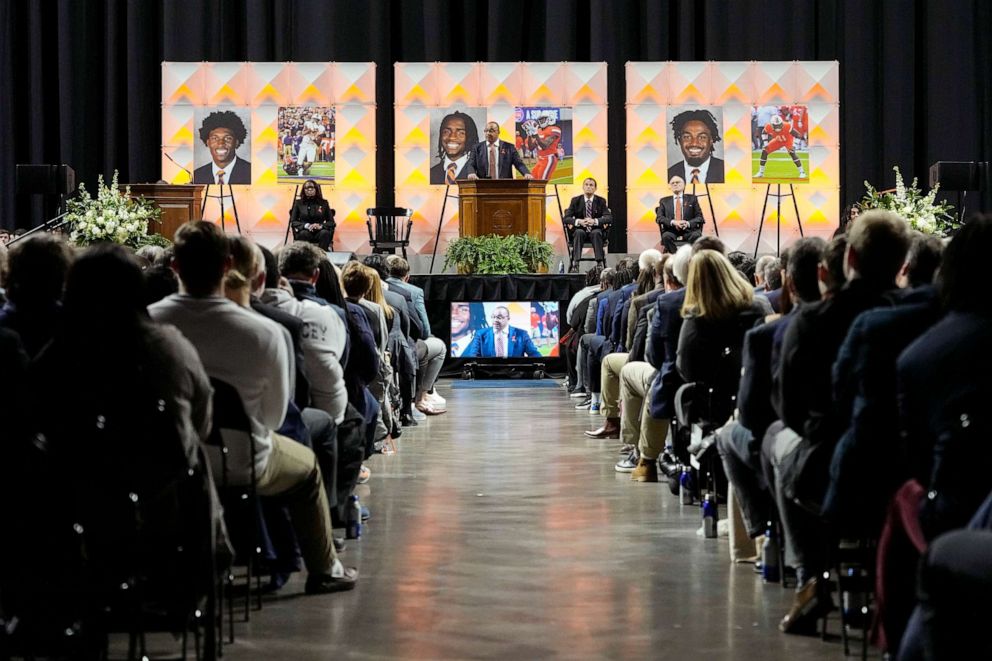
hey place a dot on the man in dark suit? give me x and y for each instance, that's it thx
(456, 138)
(679, 217)
(696, 134)
(494, 158)
(223, 133)
(501, 340)
(586, 219)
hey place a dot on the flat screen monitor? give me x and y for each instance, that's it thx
(507, 329)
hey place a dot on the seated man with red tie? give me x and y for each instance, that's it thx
(494, 158)
(501, 340)
(587, 218)
(679, 217)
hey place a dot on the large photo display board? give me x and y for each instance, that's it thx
(552, 113)
(741, 129)
(266, 127)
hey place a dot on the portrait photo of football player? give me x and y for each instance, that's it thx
(222, 133)
(693, 153)
(783, 155)
(454, 132)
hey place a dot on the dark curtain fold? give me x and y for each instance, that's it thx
(82, 85)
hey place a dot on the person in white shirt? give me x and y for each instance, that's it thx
(252, 354)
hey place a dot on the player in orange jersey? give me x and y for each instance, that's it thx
(780, 136)
(548, 138)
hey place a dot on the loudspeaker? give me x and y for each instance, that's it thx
(957, 175)
(339, 259)
(34, 179)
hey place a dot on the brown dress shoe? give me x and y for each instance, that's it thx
(610, 430)
(646, 470)
(810, 604)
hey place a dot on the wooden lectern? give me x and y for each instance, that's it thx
(501, 206)
(180, 203)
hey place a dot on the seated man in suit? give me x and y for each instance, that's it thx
(501, 340)
(223, 132)
(587, 218)
(679, 217)
(494, 158)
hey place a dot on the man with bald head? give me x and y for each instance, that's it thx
(678, 216)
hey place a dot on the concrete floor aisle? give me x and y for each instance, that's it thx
(499, 531)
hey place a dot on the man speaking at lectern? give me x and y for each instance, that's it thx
(494, 158)
(501, 340)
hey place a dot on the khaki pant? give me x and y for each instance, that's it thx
(292, 472)
(637, 427)
(610, 384)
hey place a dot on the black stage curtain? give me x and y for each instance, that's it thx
(81, 80)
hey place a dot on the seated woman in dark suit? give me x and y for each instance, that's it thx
(312, 218)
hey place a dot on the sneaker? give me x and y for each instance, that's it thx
(594, 408)
(418, 416)
(364, 474)
(626, 448)
(366, 514)
(761, 172)
(325, 584)
(627, 464)
(584, 404)
(435, 400)
(580, 393)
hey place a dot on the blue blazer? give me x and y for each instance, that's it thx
(484, 344)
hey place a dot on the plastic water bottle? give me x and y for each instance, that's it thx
(353, 519)
(770, 570)
(685, 486)
(561, 266)
(710, 516)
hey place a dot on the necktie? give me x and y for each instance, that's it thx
(220, 177)
(695, 176)
(500, 349)
(493, 172)
(678, 208)
(449, 177)
(588, 208)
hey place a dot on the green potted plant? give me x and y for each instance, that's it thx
(498, 255)
(536, 253)
(493, 254)
(462, 253)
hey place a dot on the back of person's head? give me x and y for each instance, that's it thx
(152, 253)
(744, 264)
(661, 266)
(201, 253)
(804, 260)
(833, 263)
(648, 258)
(104, 290)
(709, 242)
(399, 268)
(668, 272)
(715, 289)
(377, 262)
(375, 294)
(3, 263)
(36, 270)
(328, 285)
(244, 263)
(964, 269)
(165, 259)
(356, 280)
(607, 278)
(773, 274)
(879, 240)
(645, 282)
(160, 281)
(923, 259)
(680, 264)
(759, 267)
(592, 275)
(299, 260)
(271, 268)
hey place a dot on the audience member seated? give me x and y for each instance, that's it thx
(759, 272)
(876, 248)
(253, 354)
(679, 216)
(579, 312)
(773, 281)
(311, 217)
(36, 268)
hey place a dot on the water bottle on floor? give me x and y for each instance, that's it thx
(561, 265)
(353, 519)
(685, 486)
(710, 516)
(770, 570)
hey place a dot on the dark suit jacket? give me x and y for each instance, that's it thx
(305, 213)
(754, 393)
(691, 212)
(437, 172)
(664, 331)
(518, 340)
(577, 209)
(713, 176)
(507, 158)
(240, 175)
(640, 332)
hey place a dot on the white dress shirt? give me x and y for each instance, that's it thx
(703, 169)
(228, 170)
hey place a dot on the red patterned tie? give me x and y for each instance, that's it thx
(449, 178)
(678, 208)
(493, 172)
(500, 349)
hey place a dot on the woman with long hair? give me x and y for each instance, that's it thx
(312, 218)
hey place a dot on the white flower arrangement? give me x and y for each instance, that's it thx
(111, 216)
(922, 212)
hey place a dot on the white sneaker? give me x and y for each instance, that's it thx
(417, 415)
(802, 173)
(435, 400)
(761, 172)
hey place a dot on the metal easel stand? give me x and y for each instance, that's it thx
(709, 201)
(561, 214)
(778, 195)
(220, 197)
(440, 221)
(289, 225)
